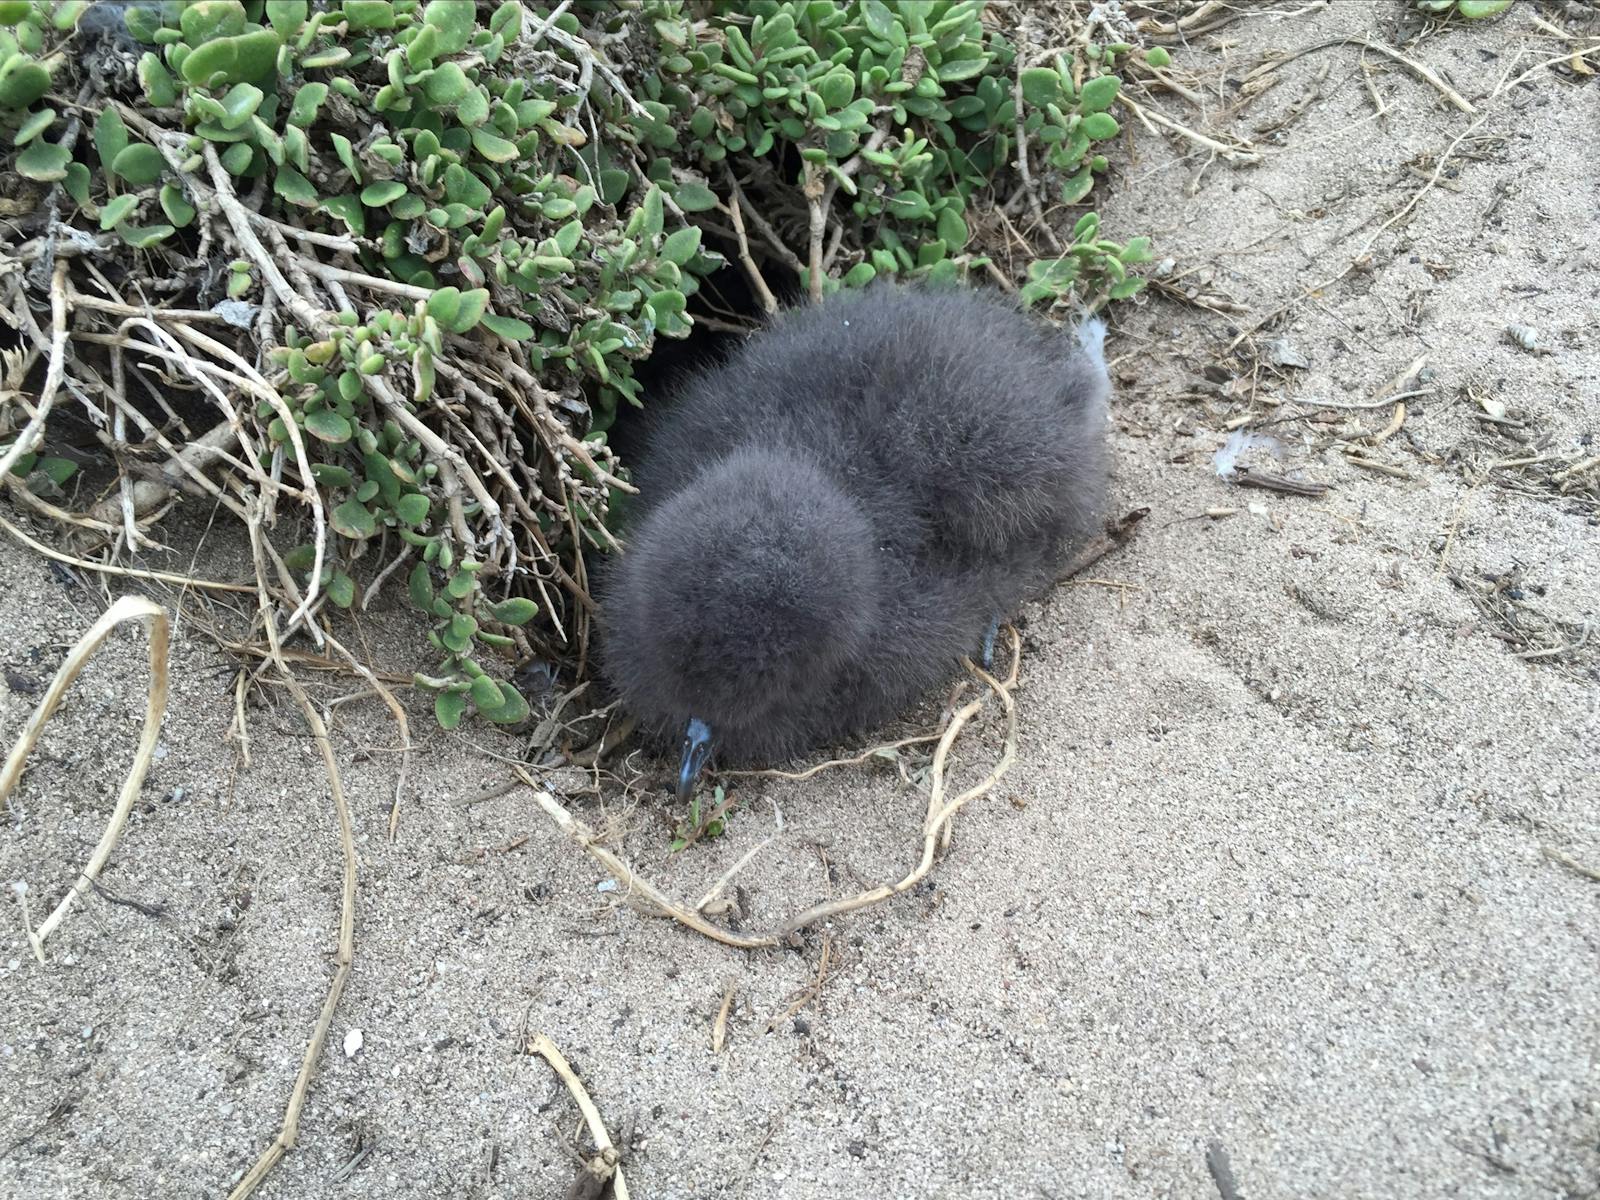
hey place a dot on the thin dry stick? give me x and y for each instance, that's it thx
(396, 710)
(345, 954)
(855, 760)
(935, 829)
(635, 884)
(212, 585)
(1421, 70)
(546, 1049)
(769, 302)
(129, 608)
(939, 815)
(34, 430)
(1238, 152)
(719, 1027)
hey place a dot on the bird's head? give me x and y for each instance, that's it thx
(739, 604)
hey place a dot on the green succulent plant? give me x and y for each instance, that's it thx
(1472, 10)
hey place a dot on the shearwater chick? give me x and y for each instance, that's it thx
(836, 514)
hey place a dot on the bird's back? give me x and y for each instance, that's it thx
(968, 430)
(971, 436)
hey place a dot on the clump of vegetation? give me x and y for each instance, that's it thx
(376, 275)
(1472, 10)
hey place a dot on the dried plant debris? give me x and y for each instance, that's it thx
(1531, 634)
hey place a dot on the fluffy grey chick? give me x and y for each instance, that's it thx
(837, 513)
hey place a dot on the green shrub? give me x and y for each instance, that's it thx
(1472, 10)
(451, 230)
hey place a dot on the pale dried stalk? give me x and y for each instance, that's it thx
(129, 608)
(546, 1049)
(935, 829)
(345, 953)
(54, 372)
(210, 585)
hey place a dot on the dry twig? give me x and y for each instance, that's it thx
(129, 608)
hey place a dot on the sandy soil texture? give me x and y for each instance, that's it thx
(1291, 892)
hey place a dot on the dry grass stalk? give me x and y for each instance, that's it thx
(607, 1162)
(936, 829)
(129, 608)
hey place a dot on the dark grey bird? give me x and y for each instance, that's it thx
(838, 512)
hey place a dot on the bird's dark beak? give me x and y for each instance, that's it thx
(696, 749)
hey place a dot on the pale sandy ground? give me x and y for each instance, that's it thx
(1269, 875)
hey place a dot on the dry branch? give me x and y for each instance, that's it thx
(129, 608)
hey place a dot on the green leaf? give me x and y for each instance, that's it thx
(1098, 93)
(952, 229)
(44, 162)
(369, 14)
(33, 126)
(286, 16)
(412, 508)
(695, 197)
(57, 470)
(486, 695)
(1100, 126)
(349, 210)
(307, 103)
(110, 136)
(117, 210)
(236, 159)
(139, 163)
(460, 584)
(385, 191)
(353, 520)
(77, 183)
(1136, 251)
(159, 87)
(1077, 187)
(837, 88)
(1040, 86)
(1477, 10)
(301, 558)
(444, 305)
(341, 589)
(446, 84)
(516, 611)
(471, 309)
(456, 23)
(614, 185)
(449, 708)
(1157, 56)
(177, 207)
(493, 147)
(880, 21)
(513, 708)
(240, 59)
(204, 20)
(681, 245)
(473, 108)
(142, 237)
(331, 476)
(510, 328)
(329, 426)
(295, 188)
(419, 586)
(860, 275)
(240, 104)
(22, 81)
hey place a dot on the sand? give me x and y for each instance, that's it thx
(1272, 904)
